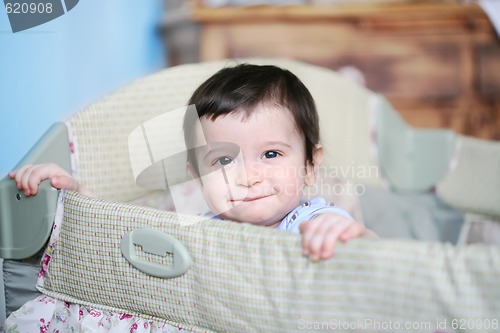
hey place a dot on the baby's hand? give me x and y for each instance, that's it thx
(320, 234)
(29, 177)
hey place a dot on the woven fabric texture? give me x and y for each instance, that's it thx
(252, 279)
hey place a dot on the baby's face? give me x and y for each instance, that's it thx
(254, 169)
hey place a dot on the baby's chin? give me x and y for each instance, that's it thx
(260, 221)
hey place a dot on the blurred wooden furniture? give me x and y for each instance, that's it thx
(438, 64)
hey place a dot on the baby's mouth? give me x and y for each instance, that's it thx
(252, 198)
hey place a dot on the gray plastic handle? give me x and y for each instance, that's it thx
(157, 243)
(26, 222)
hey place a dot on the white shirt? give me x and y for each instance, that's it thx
(308, 210)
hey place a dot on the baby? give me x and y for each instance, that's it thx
(257, 130)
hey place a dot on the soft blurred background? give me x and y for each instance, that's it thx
(55, 69)
(438, 62)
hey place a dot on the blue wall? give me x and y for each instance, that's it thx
(53, 70)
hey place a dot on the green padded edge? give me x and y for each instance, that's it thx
(26, 222)
(473, 185)
(246, 278)
(411, 159)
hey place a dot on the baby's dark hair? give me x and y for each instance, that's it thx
(244, 87)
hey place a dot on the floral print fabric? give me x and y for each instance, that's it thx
(49, 315)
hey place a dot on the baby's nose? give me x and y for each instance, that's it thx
(249, 174)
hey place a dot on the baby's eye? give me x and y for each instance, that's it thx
(271, 154)
(225, 160)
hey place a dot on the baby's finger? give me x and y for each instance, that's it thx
(32, 179)
(332, 235)
(329, 243)
(18, 174)
(307, 229)
(65, 182)
(28, 184)
(316, 240)
(354, 230)
(36, 174)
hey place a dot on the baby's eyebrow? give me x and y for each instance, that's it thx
(214, 152)
(277, 143)
(226, 148)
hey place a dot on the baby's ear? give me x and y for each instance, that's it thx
(311, 168)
